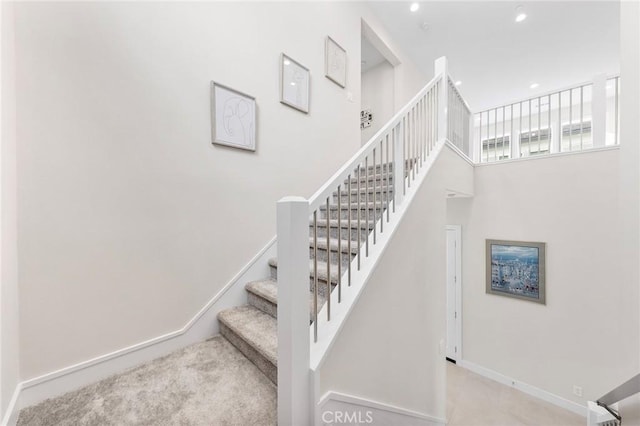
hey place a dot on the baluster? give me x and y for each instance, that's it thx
(358, 214)
(315, 275)
(339, 244)
(349, 231)
(328, 263)
(366, 204)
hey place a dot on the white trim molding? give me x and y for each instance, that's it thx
(11, 415)
(458, 284)
(574, 407)
(549, 156)
(336, 408)
(201, 327)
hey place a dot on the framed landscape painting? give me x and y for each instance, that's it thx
(516, 269)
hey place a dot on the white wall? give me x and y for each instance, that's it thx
(629, 188)
(377, 95)
(586, 334)
(395, 329)
(129, 219)
(9, 343)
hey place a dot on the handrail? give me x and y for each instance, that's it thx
(325, 190)
(624, 391)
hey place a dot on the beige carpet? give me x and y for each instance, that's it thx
(473, 400)
(210, 383)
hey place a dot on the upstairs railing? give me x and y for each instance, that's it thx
(604, 412)
(458, 123)
(372, 184)
(580, 117)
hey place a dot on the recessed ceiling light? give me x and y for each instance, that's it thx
(287, 62)
(293, 83)
(520, 15)
(534, 85)
(414, 7)
(458, 83)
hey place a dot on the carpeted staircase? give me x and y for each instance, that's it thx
(252, 328)
(212, 382)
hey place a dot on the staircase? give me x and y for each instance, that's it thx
(252, 328)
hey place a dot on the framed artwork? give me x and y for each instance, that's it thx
(294, 84)
(233, 118)
(335, 62)
(516, 269)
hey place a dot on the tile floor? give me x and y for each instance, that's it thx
(473, 400)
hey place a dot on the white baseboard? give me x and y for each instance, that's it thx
(337, 408)
(574, 407)
(11, 415)
(201, 327)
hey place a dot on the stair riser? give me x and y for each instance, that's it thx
(263, 304)
(322, 283)
(344, 213)
(345, 233)
(263, 364)
(385, 167)
(344, 196)
(322, 257)
(380, 181)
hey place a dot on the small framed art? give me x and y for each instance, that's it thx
(233, 117)
(295, 84)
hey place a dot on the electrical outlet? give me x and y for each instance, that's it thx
(577, 391)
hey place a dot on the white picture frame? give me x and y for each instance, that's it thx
(335, 62)
(233, 118)
(295, 84)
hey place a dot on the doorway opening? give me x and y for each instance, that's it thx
(377, 83)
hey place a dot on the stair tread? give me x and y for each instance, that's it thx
(361, 205)
(268, 290)
(333, 243)
(322, 269)
(354, 189)
(255, 327)
(333, 223)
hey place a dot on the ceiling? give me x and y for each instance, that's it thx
(561, 43)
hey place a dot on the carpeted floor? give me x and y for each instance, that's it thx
(209, 383)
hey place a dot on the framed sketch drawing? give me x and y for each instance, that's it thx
(233, 117)
(294, 84)
(335, 62)
(516, 269)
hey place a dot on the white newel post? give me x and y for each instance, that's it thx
(474, 145)
(599, 110)
(293, 312)
(441, 68)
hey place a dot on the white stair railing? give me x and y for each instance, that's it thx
(604, 411)
(372, 183)
(579, 117)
